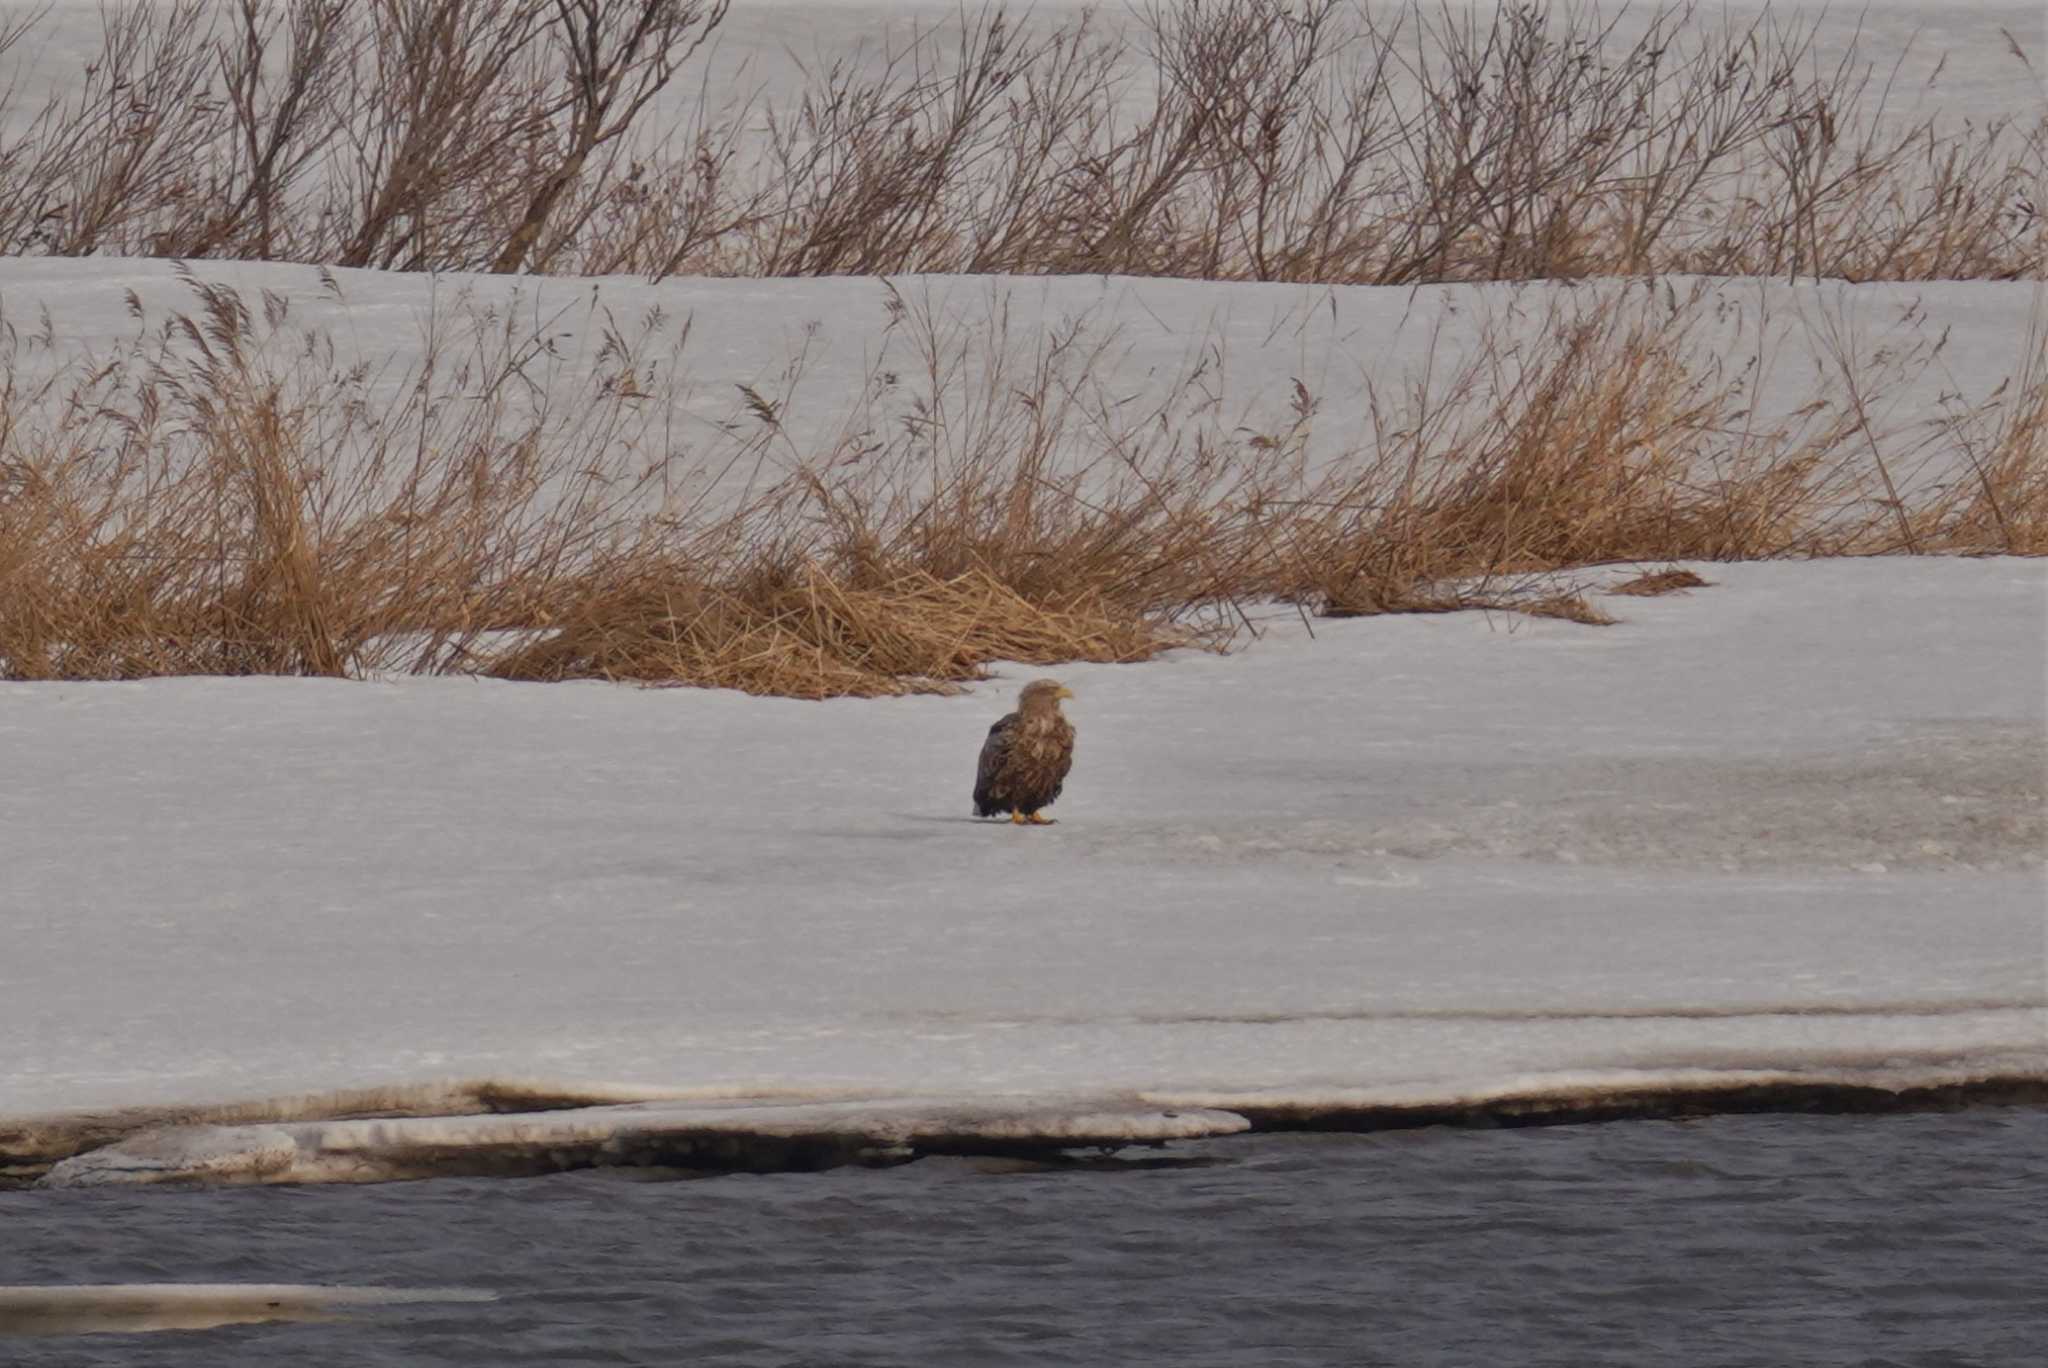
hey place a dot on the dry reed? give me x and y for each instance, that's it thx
(225, 498)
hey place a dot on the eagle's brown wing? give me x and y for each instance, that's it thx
(995, 752)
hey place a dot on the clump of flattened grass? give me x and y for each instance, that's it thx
(805, 632)
(1536, 596)
(1655, 582)
(1568, 606)
(1357, 599)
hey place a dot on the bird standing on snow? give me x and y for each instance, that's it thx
(1027, 756)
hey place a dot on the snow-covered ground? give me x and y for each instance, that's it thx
(838, 365)
(1788, 827)
(1786, 831)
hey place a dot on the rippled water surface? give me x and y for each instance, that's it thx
(1913, 1240)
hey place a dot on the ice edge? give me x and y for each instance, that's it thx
(329, 1138)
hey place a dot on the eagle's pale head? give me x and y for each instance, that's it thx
(1042, 695)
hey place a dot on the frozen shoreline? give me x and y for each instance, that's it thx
(774, 1137)
(1781, 833)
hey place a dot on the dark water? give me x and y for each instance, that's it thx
(1771, 1240)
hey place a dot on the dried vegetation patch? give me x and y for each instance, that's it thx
(1656, 582)
(225, 497)
(812, 634)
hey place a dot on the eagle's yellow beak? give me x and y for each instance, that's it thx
(1065, 692)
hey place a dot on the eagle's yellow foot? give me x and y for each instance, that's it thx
(1037, 819)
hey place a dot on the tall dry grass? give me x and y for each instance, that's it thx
(224, 497)
(1300, 140)
(2000, 506)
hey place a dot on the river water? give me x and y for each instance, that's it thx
(1739, 1240)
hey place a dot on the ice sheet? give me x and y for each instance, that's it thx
(1783, 832)
(1790, 823)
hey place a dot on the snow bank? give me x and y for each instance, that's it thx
(1220, 354)
(1783, 832)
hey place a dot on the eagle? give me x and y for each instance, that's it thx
(1027, 756)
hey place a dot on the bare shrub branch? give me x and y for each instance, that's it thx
(1230, 139)
(615, 58)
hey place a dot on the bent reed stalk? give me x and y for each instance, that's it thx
(225, 496)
